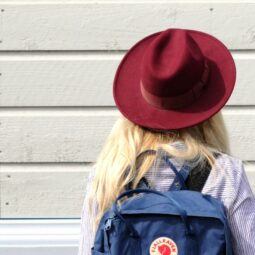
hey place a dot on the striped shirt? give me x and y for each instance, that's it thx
(229, 184)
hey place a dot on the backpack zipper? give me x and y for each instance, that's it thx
(108, 222)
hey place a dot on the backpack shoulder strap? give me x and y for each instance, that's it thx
(195, 180)
(143, 184)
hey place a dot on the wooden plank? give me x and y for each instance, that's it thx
(42, 191)
(57, 80)
(60, 135)
(112, 1)
(238, 121)
(85, 79)
(117, 26)
(31, 250)
(47, 191)
(41, 237)
(66, 136)
(250, 171)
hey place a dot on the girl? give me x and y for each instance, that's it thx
(170, 88)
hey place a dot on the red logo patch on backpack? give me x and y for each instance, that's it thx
(163, 246)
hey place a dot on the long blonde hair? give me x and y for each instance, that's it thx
(126, 140)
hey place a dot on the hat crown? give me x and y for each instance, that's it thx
(174, 79)
(172, 65)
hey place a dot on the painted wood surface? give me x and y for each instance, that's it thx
(39, 236)
(118, 25)
(42, 190)
(78, 135)
(47, 190)
(57, 64)
(85, 79)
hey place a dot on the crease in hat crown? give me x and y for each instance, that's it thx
(174, 71)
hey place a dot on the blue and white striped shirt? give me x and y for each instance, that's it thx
(230, 185)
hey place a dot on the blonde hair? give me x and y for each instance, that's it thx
(127, 139)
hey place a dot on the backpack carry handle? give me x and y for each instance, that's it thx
(182, 212)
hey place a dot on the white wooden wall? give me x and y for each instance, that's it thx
(57, 63)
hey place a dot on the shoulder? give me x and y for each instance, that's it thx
(225, 178)
(229, 167)
(229, 164)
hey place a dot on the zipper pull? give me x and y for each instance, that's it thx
(108, 224)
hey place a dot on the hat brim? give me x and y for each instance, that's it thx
(130, 102)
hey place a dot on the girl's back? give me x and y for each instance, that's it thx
(227, 181)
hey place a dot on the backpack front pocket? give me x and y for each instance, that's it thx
(94, 252)
(120, 240)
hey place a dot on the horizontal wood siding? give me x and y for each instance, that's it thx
(85, 79)
(33, 191)
(78, 135)
(117, 26)
(57, 64)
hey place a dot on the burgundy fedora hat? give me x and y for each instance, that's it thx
(174, 79)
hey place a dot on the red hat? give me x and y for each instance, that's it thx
(174, 79)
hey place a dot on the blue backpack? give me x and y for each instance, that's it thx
(176, 222)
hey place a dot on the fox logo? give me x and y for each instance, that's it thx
(163, 246)
(164, 249)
